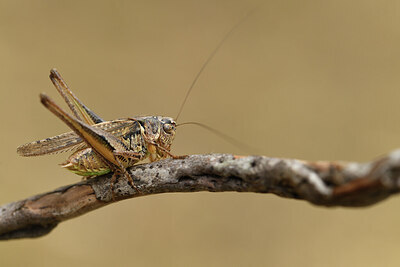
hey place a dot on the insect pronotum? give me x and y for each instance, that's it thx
(99, 146)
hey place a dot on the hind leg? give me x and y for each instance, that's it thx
(127, 155)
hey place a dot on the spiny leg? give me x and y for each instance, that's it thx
(80, 111)
(102, 142)
(128, 155)
(165, 150)
(112, 182)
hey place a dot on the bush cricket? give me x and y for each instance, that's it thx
(102, 146)
(99, 146)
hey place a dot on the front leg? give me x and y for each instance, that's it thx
(153, 151)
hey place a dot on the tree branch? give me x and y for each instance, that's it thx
(321, 183)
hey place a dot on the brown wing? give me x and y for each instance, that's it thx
(71, 141)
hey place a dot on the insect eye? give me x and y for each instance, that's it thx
(168, 127)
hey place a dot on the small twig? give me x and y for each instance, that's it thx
(321, 183)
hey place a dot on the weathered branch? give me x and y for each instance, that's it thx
(321, 183)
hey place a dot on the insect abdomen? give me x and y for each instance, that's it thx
(85, 162)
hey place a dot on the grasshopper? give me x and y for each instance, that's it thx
(99, 146)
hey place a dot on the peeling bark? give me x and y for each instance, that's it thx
(321, 183)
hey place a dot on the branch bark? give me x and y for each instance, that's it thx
(321, 183)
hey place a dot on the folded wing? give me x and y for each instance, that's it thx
(72, 142)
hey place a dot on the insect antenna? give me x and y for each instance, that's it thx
(210, 57)
(235, 142)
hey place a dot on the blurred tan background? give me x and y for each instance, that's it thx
(300, 79)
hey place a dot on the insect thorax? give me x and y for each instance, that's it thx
(158, 130)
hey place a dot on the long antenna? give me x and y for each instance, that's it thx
(210, 57)
(242, 146)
